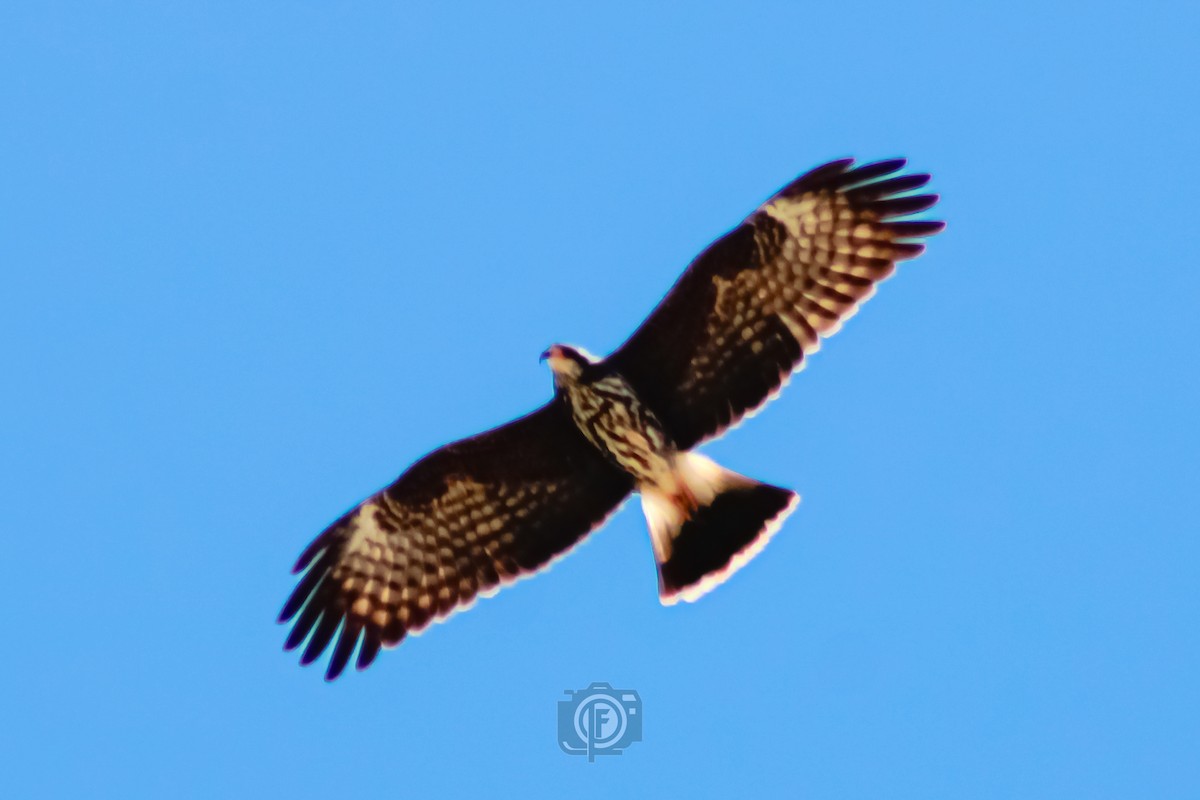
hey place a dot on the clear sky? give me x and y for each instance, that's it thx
(257, 258)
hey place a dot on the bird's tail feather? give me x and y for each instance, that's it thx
(718, 522)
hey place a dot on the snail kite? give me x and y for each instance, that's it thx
(474, 515)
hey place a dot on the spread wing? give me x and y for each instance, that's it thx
(464, 520)
(745, 313)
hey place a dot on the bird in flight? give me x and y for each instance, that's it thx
(479, 513)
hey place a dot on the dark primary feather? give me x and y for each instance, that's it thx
(463, 520)
(744, 314)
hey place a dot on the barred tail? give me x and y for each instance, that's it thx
(718, 523)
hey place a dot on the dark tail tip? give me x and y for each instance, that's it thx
(720, 538)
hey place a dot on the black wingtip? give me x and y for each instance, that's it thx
(308, 586)
(369, 649)
(904, 206)
(818, 177)
(304, 624)
(836, 165)
(916, 229)
(321, 637)
(308, 555)
(343, 650)
(873, 170)
(870, 180)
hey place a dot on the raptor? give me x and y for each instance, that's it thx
(476, 514)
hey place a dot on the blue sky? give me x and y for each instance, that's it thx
(257, 259)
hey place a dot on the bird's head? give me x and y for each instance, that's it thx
(567, 363)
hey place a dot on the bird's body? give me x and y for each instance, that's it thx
(478, 513)
(607, 410)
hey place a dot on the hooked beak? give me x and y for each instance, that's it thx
(550, 351)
